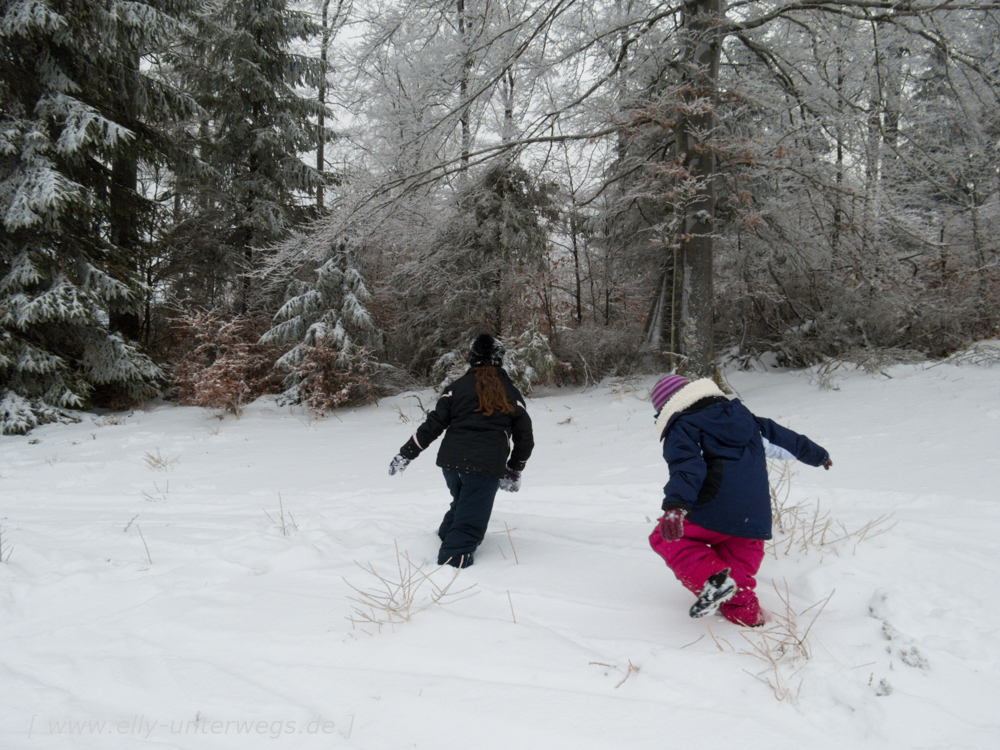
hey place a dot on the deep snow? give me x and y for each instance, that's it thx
(150, 598)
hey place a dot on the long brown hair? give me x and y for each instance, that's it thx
(490, 391)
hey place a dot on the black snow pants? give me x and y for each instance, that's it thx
(464, 525)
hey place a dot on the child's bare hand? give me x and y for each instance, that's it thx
(827, 464)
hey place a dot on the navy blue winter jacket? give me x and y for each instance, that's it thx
(717, 468)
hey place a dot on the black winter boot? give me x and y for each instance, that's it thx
(458, 561)
(718, 589)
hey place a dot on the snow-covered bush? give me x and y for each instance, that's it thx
(593, 352)
(56, 352)
(18, 414)
(326, 378)
(449, 367)
(983, 353)
(529, 362)
(333, 360)
(810, 315)
(228, 366)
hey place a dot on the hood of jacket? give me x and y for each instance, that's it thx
(685, 398)
(725, 422)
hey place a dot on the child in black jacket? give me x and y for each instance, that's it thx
(480, 413)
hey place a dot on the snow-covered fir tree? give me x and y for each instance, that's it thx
(239, 61)
(328, 318)
(73, 103)
(478, 273)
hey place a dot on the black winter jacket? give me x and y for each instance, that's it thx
(474, 443)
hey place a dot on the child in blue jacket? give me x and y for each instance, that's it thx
(717, 503)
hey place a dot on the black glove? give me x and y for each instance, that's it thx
(511, 481)
(399, 464)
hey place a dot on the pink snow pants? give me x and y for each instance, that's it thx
(701, 553)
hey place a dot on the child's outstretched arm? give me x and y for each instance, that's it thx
(436, 423)
(776, 452)
(799, 446)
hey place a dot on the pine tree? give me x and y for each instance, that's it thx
(73, 108)
(240, 65)
(477, 274)
(327, 320)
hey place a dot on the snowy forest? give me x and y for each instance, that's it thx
(217, 199)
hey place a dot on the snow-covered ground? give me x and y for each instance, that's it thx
(150, 597)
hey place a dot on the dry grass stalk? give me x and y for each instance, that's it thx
(5, 549)
(783, 646)
(394, 600)
(516, 561)
(148, 556)
(162, 494)
(507, 531)
(406, 417)
(423, 409)
(285, 526)
(631, 668)
(805, 527)
(720, 643)
(158, 462)
(779, 480)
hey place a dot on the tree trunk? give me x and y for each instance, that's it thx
(694, 310)
(463, 85)
(321, 96)
(125, 219)
(507, 95)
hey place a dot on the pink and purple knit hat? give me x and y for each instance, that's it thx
(666, 388)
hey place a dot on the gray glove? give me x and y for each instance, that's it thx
(399, 464)
(511, 481)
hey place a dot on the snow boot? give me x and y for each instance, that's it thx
(747, 613)
(718, 589)
(457, 561)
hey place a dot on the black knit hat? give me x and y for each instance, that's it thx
(486, 350)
